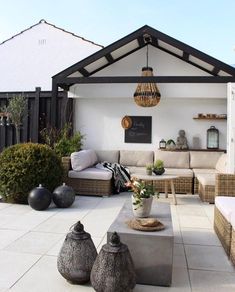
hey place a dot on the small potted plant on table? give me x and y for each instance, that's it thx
(158, 167)
(142, 197)
(149, 169)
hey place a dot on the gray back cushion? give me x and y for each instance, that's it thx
(107, 155)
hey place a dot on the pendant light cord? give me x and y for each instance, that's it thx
(147, 55)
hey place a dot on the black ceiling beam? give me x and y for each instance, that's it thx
(141, 41)
(216, 70)
(185, 56)
(181, 58)
(109, 58)
(84, 72)
(190, 50)
(154, 42)
(101, 53)
(148, 79)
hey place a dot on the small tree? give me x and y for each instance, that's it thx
(17, 109)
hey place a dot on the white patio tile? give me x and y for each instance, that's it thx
(4, 205)
(179, 259)
(34, 242)
(191, 210)
(55, 249)
(8, 236)
(199, 236)
(211, 281)
(211, 258)
(44, 276)
(16, 209)
(190, 221)
(13, 266)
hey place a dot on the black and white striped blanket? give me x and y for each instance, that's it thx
(120, 174)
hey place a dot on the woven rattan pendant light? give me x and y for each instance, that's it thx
(147, 94)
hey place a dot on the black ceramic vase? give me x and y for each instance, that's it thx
(113, 269)
(63, 196)
(77, 256)
(158, 171)
(39, 198)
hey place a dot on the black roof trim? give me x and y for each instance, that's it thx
(156, 35)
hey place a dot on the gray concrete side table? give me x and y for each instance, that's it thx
(152, 252)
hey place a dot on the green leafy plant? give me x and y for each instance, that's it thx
(16, 110)
(62, 141)
(158, 164)
(149, 166)
(141, 190)
(25, 166)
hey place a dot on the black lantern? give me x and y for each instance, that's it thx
(162, 144)
(212, 138)
(113, 269)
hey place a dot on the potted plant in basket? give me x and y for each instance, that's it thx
(158, 167)
(142, 197)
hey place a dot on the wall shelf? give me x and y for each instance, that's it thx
(207, 118)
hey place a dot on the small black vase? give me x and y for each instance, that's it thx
(159, 171)
(63, 196)
(39, 198)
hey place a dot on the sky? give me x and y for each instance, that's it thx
(207, 25)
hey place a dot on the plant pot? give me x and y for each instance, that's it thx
(159, 171)
(144, 210)
(149, 171)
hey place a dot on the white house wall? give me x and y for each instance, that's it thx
(100, 121)
(33, 57)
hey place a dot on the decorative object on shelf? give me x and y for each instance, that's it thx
(77, 255)
(39, 198)
(212, 138)
(147, 94)
(158, 167)
(126, 122)
(145, 224)
(170, 144)
(113, 269)
(63, 196)
(201, 116)
(149, 169)
(181, 142)
(162, 144)
(142, 197)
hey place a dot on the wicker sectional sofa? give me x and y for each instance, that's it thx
(224, 224)
(190, 167)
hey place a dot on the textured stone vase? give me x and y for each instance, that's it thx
(113, 270)
(143, 210)
(77, 256)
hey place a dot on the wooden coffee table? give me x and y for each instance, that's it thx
(168, 180)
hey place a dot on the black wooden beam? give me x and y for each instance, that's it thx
(215, 70)
(155, 42)
(54, 95)
(141, 41)
(185, 56)
(84, 72)
(109, 58)
(149, 79)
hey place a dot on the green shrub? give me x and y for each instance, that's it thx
(25, 166)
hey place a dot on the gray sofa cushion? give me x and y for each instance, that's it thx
(206, 179)
(173, 159)
(91, 173)
(204, 159)
(181, 172)
(111, 156)
(221, 164)
(136, 158)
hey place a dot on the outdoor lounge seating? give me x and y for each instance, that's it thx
(224, 224)
(196, 170)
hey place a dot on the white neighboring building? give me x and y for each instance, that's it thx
(30, 58)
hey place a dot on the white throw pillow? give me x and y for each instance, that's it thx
(83, 159)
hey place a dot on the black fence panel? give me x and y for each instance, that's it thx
(38, 117)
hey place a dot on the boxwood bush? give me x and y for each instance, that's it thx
(25, 166)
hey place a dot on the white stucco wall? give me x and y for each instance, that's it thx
(100, 121)
(33, 57)
(100, 107)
